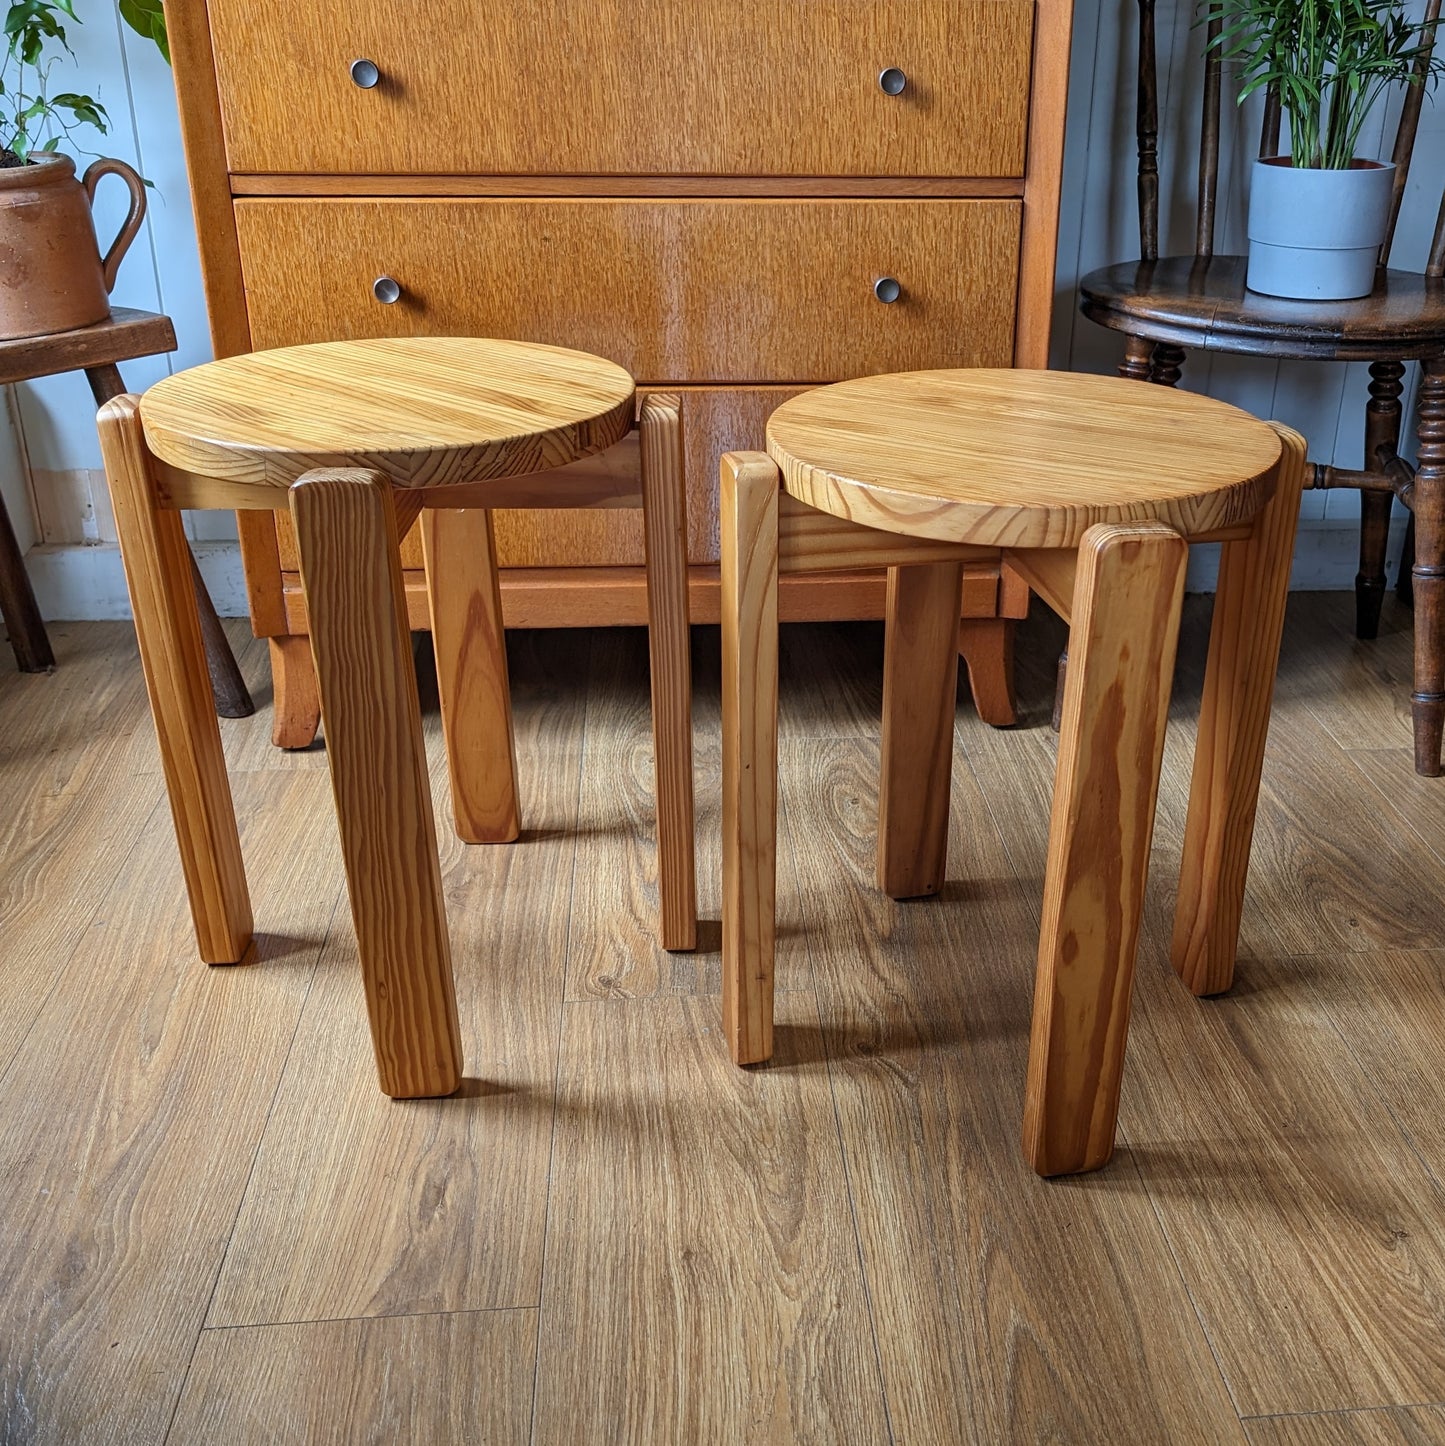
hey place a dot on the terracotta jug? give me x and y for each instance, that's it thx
(52, 275)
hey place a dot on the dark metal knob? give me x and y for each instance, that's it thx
(365, 73)
(892, 81)
(886, 289)
(386, 290)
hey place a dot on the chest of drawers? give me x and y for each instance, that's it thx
(714, 193)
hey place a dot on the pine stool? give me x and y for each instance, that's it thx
(1092, 488)
(357, 439)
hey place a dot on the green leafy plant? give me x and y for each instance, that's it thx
(32, 116)
(1329, 60)
(147, 18)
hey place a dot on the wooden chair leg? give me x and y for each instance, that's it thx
(471, 656)
(158, 573)
(1404, 583)
(664, 509)
(295, 702)
(987, 648)
(750, 487)
(1127, 598)
(1427, 702)
(920, 692)
(1382, 433)
(1244, 642)
(18, 608)
(346, 532)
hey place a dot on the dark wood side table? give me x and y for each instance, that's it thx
(96, 350)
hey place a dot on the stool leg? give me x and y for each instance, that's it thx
(750, 486)
(346, 534)
(158, 572)
(471, 652)
(664, 521)
(920, 693)
(1127, 596)
(1233, 721)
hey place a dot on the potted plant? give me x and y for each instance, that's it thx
(1318, 216)
(52, 275)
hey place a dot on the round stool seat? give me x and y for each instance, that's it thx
(1021, 459)
(427, 411)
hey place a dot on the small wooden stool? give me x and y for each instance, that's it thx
(1092, 488)
(357, 438)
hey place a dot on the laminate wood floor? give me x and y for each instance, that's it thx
(215, 1229)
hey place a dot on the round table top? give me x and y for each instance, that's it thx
(427, 411)
(1007, 458)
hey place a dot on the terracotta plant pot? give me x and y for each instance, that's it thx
(52, 275)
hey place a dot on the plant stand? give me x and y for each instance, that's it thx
(96, 350)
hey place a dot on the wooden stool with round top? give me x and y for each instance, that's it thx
(1092, 488)
(357, 439)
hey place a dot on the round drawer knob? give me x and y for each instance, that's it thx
(386, 289)
(365, 73)
(886, 289)
(892, 81)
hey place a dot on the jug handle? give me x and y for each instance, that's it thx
(107, 167)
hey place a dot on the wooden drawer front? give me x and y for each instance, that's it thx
(702, 87)
(713, 422)
(675, 291)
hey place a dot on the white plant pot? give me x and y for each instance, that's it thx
(1315, 235)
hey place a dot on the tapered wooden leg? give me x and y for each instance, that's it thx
(346, 534)
(18, 608)
(158, 573)
(920, 692)
(750, 487)
(1233, 722)
(987, 648)
(295, 702)
(1404, 583)
(471, 655)
(1427, 702)
(1127, 597)
(664, 508)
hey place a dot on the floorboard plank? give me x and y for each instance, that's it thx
(132, 1114)
(445, 1380)
(364, 1206)
(978, 1270)
(1394, 1426)
(702, 1279)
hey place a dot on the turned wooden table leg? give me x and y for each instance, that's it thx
(1244, 641)
(1138, 362)
(232, 699)
(1167, 365)
(1127, 597)
(749, 517)
(1427, 577)
(346, 532)
(18, 608)
(471, 657)
(158, 573)
(920, 691)
(664, 519)
(1382, 430)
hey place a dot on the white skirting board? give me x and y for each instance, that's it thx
(74, 583)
